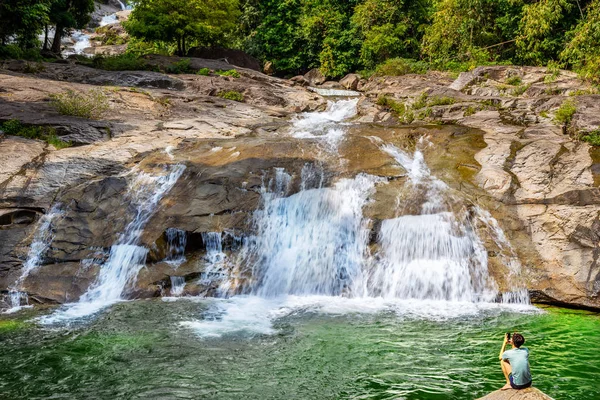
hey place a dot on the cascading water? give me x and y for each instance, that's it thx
(126, 256)
(313, 249)
(40, 244)
(176, 242)
(313, 242)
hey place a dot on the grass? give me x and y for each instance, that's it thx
(440, 101)
(469, 111)
(91, 105)
(592, 137)
(231, 72)
(121, 62)
(16, 128)
(232, 95)
(421, 101)
(565, 112)
(203, 72)
(544, 114)
(519, 90)
(402, 112)
(514, 81)
(183, 66)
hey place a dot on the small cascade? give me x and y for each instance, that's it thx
(214, 247)
(39, 246)
(177, 285)
(312, 242)
(176, 242)
(334, 92)
(326, 125)
(126, 257)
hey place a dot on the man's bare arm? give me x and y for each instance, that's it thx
(503, 347)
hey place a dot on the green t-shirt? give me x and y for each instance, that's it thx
(519, 364)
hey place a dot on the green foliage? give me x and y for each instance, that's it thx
(91, 105)
(121, 62)
(22, 21)
(541, 30)
(421, 101)
(15, 128)
(469, 111)
(403, 113)
(471, 31)
(66, 15)
(203, 71)
(401, 66)
(109, 36)
(204, 22)
(231, 95)
(183, 66)
(231, 72)
(440, 101)
(565, 112)
(592, 137)
(514, 80)
(582, 52)
(519, 90)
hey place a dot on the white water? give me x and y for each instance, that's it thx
(334, 92)
(327, 125)
(126, 257)
(39, 246)
(177, 285)
(82, 42)
(176, 242)
(311, 249)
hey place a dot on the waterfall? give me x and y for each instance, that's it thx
(176, 242)
(38, 248)
(214, 247)
(126, 256)
(312, 242)
(177, 285)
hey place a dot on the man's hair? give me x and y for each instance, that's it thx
(518, 339)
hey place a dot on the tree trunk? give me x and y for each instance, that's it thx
(45, 47)
(57, 39)
(183, 49)
(178, 46)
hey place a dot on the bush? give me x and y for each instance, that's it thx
(519, 90)
(203, 71)
(404, 114)
(565, 112)
(232, 95)
(401, 66)
(121, 62)
(231, 72)
(183, 66)
(514, 81)
(592, 137)
(15, 128)
(92, 104)
(441, 101)
(12, 51)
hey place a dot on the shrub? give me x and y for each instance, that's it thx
(401, 66)
(203, 71)
(16, 128)
(421, 101)
(565, 112)
(121, 62)
(519, 90)
(514, 80)
(469, 111)
(92, 104)
(183, 66)
(230, 72)
(232, 95)
(404, 114)
(441, 101)
(592, 137)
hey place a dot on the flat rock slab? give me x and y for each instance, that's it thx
(511, 394)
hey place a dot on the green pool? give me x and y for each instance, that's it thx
(209, 349)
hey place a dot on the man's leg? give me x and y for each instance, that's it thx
(506, 369)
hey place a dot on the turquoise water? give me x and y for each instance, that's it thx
(141, 350)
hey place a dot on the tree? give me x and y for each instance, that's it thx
(390, 28)
(22, 20)
(206, 22)
(472, 30)
(66, 15)
(582, 52)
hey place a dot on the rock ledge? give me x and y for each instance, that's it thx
(511, 394)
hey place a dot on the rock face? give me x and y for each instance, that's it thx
(511, 394)
(501, 151)
(230, 56)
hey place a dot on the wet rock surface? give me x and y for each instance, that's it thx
(511, 394)
(507, 156)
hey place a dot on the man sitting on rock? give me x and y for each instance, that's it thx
(515, 363)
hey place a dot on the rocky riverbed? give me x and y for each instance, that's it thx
(494, 144)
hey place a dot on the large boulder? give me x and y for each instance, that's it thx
(350, 81)
(315, 77)
(511, 394)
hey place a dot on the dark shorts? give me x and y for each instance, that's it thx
(512, 384)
